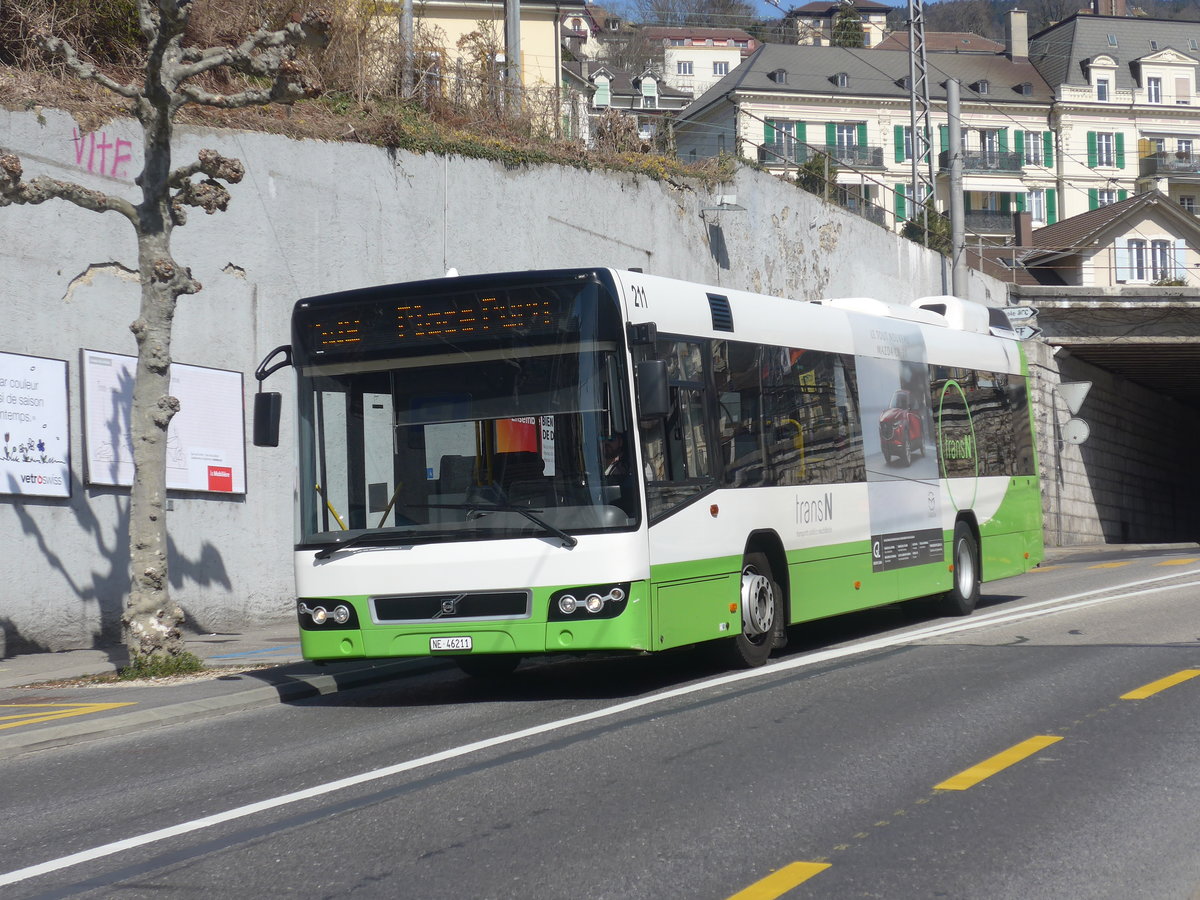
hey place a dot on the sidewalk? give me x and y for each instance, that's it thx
(38, 710)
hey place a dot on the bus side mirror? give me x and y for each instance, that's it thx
(267, 407)
(653, 391)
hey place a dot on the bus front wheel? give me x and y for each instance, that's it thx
(960, 600)
(761, 614)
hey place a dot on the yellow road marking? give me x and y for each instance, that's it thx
(989, 767)
(1043, 568)
(1162, 684)
(779, 883)
(1178, 562)
(1112, 565)
(48, 712)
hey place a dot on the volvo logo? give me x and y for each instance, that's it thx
(450, 606)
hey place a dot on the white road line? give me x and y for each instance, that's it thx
(1045, 607)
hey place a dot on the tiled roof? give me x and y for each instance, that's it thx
(830, 7)
(622, 82)
(811, 71)
(1061, 51)
(943, 41)
(661, 32)
(1080, 229)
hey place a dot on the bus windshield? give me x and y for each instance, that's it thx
(446, 436)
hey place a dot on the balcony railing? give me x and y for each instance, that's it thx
(988, 161)
(1168, 163)
(778, 153)
(980, 221)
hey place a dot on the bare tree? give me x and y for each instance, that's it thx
(170, 71)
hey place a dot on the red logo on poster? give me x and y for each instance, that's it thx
(220, 478)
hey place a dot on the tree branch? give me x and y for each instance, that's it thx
(209, 195)
(263, 54)
(14, 191)
(82, 70)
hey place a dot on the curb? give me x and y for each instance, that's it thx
(297, 687)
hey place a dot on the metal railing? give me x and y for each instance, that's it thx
(778, 153)
(993, 161)
(1168, 163)
(982, 221)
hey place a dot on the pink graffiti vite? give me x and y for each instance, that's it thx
(101, 156)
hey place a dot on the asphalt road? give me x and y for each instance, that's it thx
(880, 755)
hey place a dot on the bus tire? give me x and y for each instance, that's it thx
(960, 600)
(488, 665)
(752, 646)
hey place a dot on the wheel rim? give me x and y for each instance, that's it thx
(758, 603)
(964, 567)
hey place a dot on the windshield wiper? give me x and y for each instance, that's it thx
(568, 540)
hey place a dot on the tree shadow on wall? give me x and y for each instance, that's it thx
(107, 586)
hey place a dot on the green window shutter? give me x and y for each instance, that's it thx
(1093, 198)
(801, 132)
(1048, 149)
(1091, 138)
(944, 134)
(1051, 206)
(769, 131)
(1122, 195)
(1120, 142)
(1006, 203)
(899, 198)
(830, 134)
(1003, 140)
(1019, 144)
(862, 134)
(1020, 198)
(966, 201)
(898, 139)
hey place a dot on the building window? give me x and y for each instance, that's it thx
(1033, 148)
(1154, 90)
(1188, 204)
(1105, 197)
(678, 42)
(1160, 144)
(1105, 152)
(1112, 40)
(1183, 148)
(1160, 260)
(721, 68)
(989, 143)
(847, 136)
(1035, 205)
(779, 76)
(649, 102)
(1102, 90)
(983, 86)
(683, 67)
(1153, 45)
(841, 79)
(1137, 260)
(908, 142)
(603, 96)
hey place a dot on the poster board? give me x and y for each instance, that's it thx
(206, 441)
(35, 460)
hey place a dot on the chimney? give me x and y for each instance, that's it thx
(1023, 229)
(1016, 34)
(1109, 8)
(583, 69)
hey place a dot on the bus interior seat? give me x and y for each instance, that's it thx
(457, 473)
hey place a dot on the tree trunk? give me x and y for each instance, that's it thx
(151, 619)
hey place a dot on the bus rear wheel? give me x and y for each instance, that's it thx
(490, 665)
(960, 600)
(761, 615)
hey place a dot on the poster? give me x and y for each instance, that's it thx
(36, 456)
(903, 492)
(206, 439)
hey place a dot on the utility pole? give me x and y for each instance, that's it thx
(512, 54)
(406, 48)
(919, 112)
(958, 229)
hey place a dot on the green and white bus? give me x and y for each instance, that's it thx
(582, 460)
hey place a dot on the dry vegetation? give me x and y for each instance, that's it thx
(361, 101)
